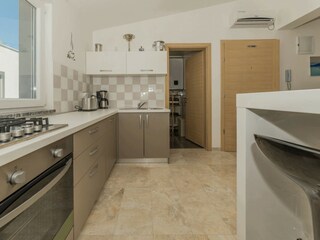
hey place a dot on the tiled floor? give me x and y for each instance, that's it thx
(192, 198)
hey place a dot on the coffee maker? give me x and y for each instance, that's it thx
(103, 99)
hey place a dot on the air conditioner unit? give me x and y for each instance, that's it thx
(252, 19)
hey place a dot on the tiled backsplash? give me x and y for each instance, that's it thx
(68, 84)
(124, 91)
(128, 91)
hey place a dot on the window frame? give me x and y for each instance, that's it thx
(43, 59)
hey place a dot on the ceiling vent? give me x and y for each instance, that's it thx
(247, 19)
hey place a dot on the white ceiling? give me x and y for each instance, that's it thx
(107, 13)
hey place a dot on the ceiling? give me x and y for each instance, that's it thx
(108, 13)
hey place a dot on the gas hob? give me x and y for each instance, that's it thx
(15, 130)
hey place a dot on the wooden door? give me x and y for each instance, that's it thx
(195, 98)
(247, 66)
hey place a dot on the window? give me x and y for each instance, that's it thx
(25, 31)
(1, 84)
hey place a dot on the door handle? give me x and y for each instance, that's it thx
(93, 152)
(105, 70)
(140, 121)
(147, 120)
(93, 131)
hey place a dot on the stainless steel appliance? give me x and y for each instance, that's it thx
(103, 101)
(301, 164)
(158, 45)
(14, 130)
(88, 103)
(36, 194)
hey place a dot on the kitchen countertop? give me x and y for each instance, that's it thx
(76, 121)
(143, 110)
(304, 101)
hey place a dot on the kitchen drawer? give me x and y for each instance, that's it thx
(85, 160)
(88, 136)
(86, 192)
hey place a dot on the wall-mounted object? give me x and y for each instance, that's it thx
(305, 45)
(141, 49)
(158, 45)
(315, 66)
(253, 19)
(129, 37)
(98, 47)
(288, 78)
(71, 54)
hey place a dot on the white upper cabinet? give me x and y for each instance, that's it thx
(106, 63)
(147, 62)
(121, 63)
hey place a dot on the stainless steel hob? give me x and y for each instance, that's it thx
(14, 130)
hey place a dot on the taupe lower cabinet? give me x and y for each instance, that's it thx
(111, 143)
(143, 135)
(94, 157)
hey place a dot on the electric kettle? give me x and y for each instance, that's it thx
(88, 103)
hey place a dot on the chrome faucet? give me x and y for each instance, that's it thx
(140, 104)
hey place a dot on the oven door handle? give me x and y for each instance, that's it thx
(24, 206)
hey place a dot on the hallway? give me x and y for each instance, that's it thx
(192, 198)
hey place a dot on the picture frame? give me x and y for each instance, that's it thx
(315, 66)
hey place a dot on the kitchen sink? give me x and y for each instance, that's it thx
(142, 109)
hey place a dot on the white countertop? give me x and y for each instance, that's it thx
(76, 121)
(144, 110)
(304, 101)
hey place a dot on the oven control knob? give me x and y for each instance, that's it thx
(57, 153)
(17, 177)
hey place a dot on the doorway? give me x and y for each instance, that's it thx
(188, 95)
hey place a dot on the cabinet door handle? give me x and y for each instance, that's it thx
(93, 152)
(105, 70)
(147, 120)
(146, 70)
(94, 170)
(140, 121)
(93, 131)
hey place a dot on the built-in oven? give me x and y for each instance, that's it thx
(36, 194)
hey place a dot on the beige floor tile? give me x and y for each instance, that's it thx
(192, 198)
(174, 237)
(169, 216)
(95, 237)
(130, 237)
(134, 222)
(222, 237)
(103, 217)
(136, 198)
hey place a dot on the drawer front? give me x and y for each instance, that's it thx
(86, 193)
(84, 138)
(86, 159)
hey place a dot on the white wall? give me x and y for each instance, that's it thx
(211, 25)
(9, 64)
(299, 64)
(205, 25)
(66, 20)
